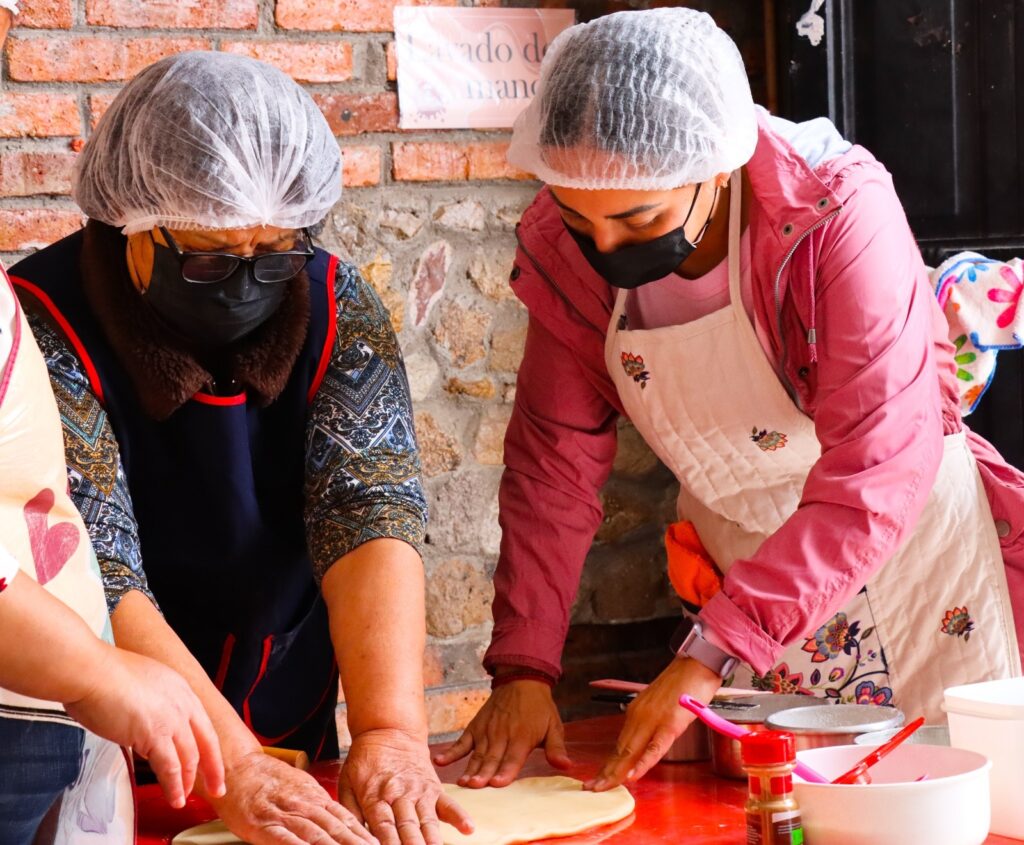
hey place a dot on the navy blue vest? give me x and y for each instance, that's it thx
(217, 490)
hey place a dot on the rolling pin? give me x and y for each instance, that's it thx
(298, 759)
(291, 756)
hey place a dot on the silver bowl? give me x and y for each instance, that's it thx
(751, 712)
(833, 724)
(692, 745)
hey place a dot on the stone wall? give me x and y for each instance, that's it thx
(429, 218)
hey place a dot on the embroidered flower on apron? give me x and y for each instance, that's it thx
(782, 681)
(958, 623)
(768, 441)
(634, 367)
(835, 637)
(868, 693)
(838, 641)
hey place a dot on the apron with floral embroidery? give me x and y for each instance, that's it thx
(937, 614)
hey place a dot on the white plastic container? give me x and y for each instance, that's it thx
(951, 807)
(989, 718)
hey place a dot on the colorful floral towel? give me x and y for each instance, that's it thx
(979, 297)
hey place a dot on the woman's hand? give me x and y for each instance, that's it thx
(270, 803)
(142, 704)
(517, 718)
(117, 694)
(654, 720)
(388, 781)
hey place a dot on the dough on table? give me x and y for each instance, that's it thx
(211, 833)
(526, 810)
(534, 808)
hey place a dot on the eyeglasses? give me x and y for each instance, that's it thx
(207, 268)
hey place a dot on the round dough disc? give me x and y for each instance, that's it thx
(535, 808)
(526, 810)
(211, 833)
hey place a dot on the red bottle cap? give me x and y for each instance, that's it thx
(764, 748)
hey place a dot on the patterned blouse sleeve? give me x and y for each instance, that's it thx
(98, 485)
(362, 463)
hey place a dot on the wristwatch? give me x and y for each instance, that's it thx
(688, 641)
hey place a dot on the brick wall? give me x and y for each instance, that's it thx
(429, 218)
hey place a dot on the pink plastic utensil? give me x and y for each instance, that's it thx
(859, 773)
(710, 718)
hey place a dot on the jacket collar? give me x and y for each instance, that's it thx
(164, 372)
(789, 194)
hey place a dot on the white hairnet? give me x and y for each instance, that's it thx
(648, 100)
(206, 140)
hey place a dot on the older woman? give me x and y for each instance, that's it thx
(748, 292)
(268, 499)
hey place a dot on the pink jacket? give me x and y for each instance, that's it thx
(841, 287)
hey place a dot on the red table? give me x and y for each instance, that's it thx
(676, 802)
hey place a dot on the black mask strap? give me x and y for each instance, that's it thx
(704, 228)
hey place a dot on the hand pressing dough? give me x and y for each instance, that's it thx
(526, 810)
(212, 833)
(534, 808)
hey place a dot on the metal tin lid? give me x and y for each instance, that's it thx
(836, 719)
(754, 709)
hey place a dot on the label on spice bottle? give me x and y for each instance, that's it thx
(788, 828)
(784, 828)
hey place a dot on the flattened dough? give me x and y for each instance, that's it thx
(211, 833)
(526, 810)
(535, 808)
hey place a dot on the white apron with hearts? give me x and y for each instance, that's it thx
(43, 531)
(708, 402)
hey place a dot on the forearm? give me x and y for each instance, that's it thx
(139, 627)
(812, 567)
(375, 599)
(545, 537)
(57, 657)
(559, 450)
(843, 533)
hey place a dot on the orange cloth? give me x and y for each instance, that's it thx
(691, 570)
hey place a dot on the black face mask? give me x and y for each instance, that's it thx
(212, 314)
(633, 266)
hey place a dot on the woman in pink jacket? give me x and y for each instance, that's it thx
(748, 292)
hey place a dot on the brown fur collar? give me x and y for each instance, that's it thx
(165, 372)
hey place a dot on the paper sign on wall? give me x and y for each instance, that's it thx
(470, 68)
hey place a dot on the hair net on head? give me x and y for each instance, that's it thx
(210, 141)
(647, 100)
